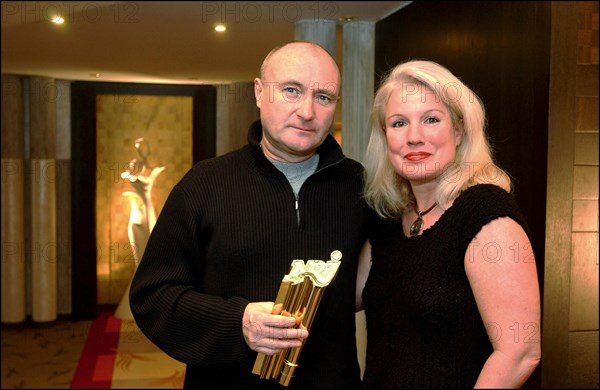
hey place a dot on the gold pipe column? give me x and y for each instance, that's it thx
(13, 205)
(42, 182)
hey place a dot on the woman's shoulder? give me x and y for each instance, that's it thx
(482, 203)
(480, 197)
(484, 192)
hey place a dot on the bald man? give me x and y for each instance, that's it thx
(228, 232)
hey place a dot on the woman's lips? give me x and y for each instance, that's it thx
(416, 156)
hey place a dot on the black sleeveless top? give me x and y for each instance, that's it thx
(423, 326)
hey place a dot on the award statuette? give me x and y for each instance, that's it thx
(299, 296)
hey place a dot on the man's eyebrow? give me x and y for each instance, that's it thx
(327, 92)
(292, 83)
(303, 88)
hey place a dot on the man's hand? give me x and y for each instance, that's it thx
(270, 329)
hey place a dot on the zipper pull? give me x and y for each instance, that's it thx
(297, 210)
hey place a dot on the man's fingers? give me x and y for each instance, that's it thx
(277, 308)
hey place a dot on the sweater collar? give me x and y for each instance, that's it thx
(329, 151)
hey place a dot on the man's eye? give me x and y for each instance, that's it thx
(291, 92)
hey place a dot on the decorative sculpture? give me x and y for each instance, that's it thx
(142, 216)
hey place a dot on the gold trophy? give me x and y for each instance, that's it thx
(299, 296)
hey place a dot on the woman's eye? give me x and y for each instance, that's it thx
(432, 120)
(398, 123)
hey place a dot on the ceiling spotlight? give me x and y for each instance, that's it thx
(58, 20)
(345, 19)
(220, 28)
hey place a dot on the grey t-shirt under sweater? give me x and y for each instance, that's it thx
(297, 173)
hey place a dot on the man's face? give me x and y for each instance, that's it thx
(297, 98)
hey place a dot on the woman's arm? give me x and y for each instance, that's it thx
(364, 266)
(501, 269)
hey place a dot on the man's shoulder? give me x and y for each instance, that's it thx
(218, 165)
(223, 160)
(352, 165)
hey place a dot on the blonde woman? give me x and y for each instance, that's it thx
(451, 294)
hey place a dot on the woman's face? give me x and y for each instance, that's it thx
(421, 138)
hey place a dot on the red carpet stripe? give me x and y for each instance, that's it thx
(95, 367)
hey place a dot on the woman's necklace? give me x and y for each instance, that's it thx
(417, 226)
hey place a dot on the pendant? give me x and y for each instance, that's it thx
(416, 226)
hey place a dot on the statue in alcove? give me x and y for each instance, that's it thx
(140, 173)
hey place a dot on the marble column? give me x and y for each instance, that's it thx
(357, 86)
(42, 183)
(320, 31)
(358, 78)
(14, 307)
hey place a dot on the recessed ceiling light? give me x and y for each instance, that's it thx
(220, 28)
(58, 20)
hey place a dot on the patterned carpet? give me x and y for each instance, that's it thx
(104, 353)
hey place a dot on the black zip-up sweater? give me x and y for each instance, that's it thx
(225, 237)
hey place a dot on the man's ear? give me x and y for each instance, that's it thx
(258, 91)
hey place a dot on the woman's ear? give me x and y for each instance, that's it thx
(459, 130)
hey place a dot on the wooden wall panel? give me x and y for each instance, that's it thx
(583, 352)
(583, 314)
(583, 294)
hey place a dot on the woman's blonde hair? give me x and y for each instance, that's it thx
(385, 190)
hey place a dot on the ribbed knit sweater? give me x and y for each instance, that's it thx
(225, 237)
(423, 326)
